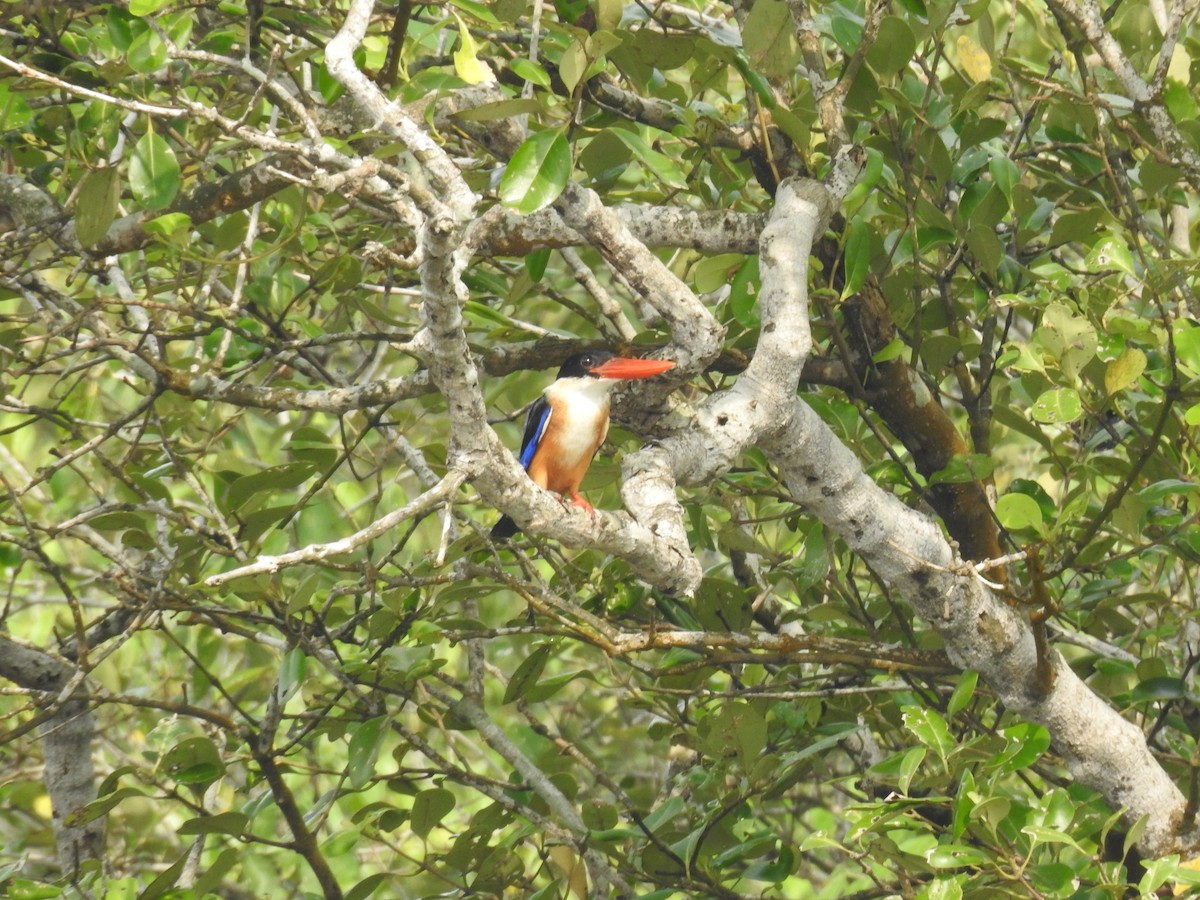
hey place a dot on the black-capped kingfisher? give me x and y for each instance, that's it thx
(568, 423)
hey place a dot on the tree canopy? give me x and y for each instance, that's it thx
(890, 587)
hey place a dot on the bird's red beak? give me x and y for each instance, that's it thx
(619, 367)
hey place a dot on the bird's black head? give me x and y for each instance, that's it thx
(580, 365)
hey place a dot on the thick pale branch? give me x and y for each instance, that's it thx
(67, 734)
(709, 231)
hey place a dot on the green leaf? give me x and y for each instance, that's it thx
(366, 738)
(930, 729)
(893, 48)
(1067, 338)
(193, 760)
(1025, 744)
(429, 808)
(479, 10)
(956, 856)
(743, 294)
(222, 823)
(215, 871)
(1161, 688)
(367, 886)
(940, 888)
(530, 71)
(1005, 173)
(985, 246)
(909, 766)
(146, 7)
(1019, 511)
(153, 172)
(737, 727)
(857, 257)
(275, 478)
(1076, 226)
(14, 111)
(537, 172)
(769, 38)
(891, 350)
(147, 52)
(664, 814)
(963, 692)
(1111, 253)
(293, 671)
(773, 870)
(536, 262)
(1057, 406)
(99, 807)
(713, 272)
(1157, 873)
(527, 673)
(964, 468)
(165, 880)
(501, 109)
(659, 164)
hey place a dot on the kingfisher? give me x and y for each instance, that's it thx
(568, 423)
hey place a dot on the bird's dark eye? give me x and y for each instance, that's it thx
(588, 361)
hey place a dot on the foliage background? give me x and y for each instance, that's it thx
(210, 355)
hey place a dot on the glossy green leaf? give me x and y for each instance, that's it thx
(530, 71)
(153, 172)
(1111, 253)
(964, 691)
(537, 172)
(930, 729)
(194, 760)
(1158, 689)
(1005, 174)
(147, 52)
(1057, 406)
(910, 764)
(857, 257)
(1025, 744)
(1017, 512)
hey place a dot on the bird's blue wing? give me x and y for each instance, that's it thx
(535, 427)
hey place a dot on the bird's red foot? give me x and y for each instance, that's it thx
(578, 500)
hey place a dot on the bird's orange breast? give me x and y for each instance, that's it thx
(575, 431)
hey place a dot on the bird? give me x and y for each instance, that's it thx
(568, 423)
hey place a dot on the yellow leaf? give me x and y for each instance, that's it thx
(1181, 65)
(467, 64)
(1123, 371)
(571, 866)
(974, 59)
